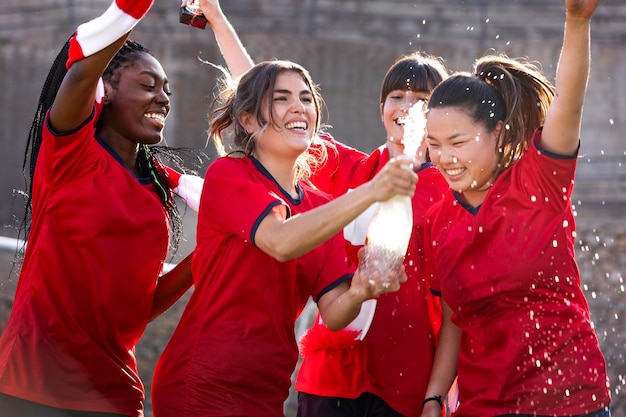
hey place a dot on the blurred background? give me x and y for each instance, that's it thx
(347, 45)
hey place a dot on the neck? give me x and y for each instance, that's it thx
(126, 150)
(284, 172)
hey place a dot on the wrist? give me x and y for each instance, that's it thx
(433, 399)
(355, 295)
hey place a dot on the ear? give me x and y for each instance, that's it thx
(109, 93)
(248, 122)
(497, 134)
(382, 107)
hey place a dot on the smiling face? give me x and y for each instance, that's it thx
(394, 111)
(465, 152)
(137, 103)
(293, 118)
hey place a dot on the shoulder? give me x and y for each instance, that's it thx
(536, 145)
(442, 206)
(228, 164)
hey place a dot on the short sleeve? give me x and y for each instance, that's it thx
(235, 200)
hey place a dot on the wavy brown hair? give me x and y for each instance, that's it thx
(247, 96)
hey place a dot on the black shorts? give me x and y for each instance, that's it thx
(17, 407)
(366, 404)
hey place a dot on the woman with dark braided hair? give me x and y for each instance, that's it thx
(102, 210)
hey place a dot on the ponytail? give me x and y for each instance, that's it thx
(526, 93)
(500, 89)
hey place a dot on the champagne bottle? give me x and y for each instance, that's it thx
(390, 229)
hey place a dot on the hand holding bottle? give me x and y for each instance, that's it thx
(191, 14)
(371, 285)
(391, 226)
(396, 178)
(210, 9)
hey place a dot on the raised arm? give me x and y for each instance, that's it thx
(233, 51)
(561, 132)
(91, 48)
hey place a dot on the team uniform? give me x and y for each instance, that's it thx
(234, 349)
(83, 299)
(394, 360)
(515, 292)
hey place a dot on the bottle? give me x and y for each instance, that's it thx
(390, 229)
(192, 15)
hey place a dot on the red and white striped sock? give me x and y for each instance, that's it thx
(95, 35)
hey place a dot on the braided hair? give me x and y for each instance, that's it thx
(148, 163)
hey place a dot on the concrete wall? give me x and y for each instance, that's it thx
(346, 45)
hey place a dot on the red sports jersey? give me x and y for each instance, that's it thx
(507, 269)
(234, 349)
(394, 359)
(98, 240)
(337, 171)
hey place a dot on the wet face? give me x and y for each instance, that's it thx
(294, 114)
(394, 111)
(464, 151)
(136, 108)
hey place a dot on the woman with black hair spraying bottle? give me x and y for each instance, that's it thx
(500, 245)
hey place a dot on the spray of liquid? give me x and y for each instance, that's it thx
(389, 231)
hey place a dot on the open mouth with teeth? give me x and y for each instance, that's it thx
(160, 117)
(401, 121)
(296, 126)
(454, 172)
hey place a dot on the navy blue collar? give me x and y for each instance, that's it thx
(285, 194)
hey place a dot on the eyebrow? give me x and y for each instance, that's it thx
(454, 136)
(285, 91)
(152, 74)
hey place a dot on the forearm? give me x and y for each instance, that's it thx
(232, 49)
(444, 365)
(91, 48)
(573, 70)
(171, 286)
(339, 307)
(97, 34)
(562, 126)
(303, 232)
